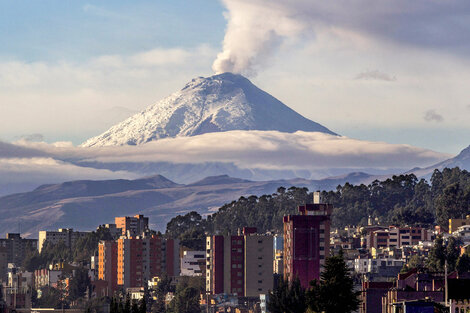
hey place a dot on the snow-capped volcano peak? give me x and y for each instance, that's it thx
(218, 103)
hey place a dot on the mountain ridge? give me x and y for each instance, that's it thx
(54, 206)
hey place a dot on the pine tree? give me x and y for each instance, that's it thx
(143, 306)
(287, 298)
(335, 291)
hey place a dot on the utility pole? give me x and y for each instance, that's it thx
(446, 286)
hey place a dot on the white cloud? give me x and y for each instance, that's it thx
(24, 174)
(257, 27)
(258, 149)
(25, 165)
(72, 99)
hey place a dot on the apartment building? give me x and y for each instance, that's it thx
(193, 263)
(239, 264)
(16, 247)
(67, 235)
(396, 237)
(132, 225)
(46, 277)
(455, 223)
(107, 265)
(307, 241)
(130, 262)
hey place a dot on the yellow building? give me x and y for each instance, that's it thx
(455, 223)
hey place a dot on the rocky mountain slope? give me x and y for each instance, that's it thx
(214, 104)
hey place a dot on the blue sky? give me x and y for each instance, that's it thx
(51, 30)
(396, 73)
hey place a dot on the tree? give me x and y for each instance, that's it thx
(437, 256)
(142, 306)
(287, 298)
(186, 301)
(451, 203)
(463, 263)
(51, 298)
(135, 307)
(452, 252)
(415, 261)
(335, 290)
(79, 284)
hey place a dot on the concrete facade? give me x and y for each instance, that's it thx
(67, 235)
(239, 264)
(132, 225)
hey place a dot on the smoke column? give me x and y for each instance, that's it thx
(255, 29)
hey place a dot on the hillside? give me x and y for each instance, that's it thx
(86, 204)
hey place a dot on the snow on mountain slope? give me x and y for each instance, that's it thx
(214, 104)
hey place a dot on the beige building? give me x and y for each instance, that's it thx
(132, 225)
(66, 235)
(455, 223)
(239, 264)
(258, 265)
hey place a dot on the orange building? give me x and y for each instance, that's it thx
(139, 259)
(132, 226)
(107, 265)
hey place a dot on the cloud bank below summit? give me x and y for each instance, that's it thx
(39, 162)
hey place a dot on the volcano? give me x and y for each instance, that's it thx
(217, 103)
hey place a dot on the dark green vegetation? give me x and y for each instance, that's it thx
(287, 298)
(265, 213)
(125, 305)
(404, 200)
(442, 252)
(333, 293)
(79, 287)
(400, 200)
(448, 251)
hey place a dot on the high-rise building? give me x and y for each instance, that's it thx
(306, 241)
(132, 225)
(3, 264)
(139, 259)
(16, 247)
(130, 262)
(172, 257)
(107, 265)
(67, 235)
(241, 264)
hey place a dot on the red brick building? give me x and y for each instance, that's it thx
(307, 241)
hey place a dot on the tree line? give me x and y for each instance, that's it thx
(399, 200)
